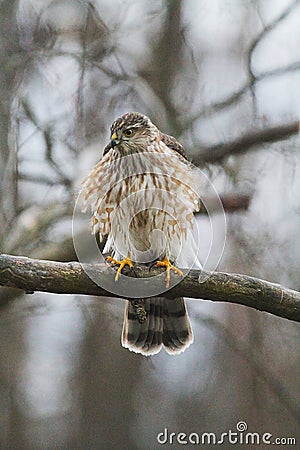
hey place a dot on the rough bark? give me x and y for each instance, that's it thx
(33, 275)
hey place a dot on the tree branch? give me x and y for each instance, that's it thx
(247, 141)
(231, 202)
(64, 250)
(70, 278)
(265, 31)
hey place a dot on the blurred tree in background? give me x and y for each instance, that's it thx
(209, 73)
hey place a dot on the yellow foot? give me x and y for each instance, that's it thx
(125, 262)
(166, 263)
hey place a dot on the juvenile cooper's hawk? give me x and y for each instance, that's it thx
(142, 195)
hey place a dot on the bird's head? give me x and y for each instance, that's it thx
(132, 133)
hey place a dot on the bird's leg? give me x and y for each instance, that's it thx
(166, 263)
(125, 262)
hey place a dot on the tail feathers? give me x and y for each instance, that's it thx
(177, 331)
(167, 324)
(144, 338)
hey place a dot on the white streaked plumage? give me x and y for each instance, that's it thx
(143, 194)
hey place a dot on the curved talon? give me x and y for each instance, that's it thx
(166, 263)
(125, 262)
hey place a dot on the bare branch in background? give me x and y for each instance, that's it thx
(233, 98)
(48, 140)
(70, 278)
(253, 78)
(232, 202)
(262, 34)
(247, 142)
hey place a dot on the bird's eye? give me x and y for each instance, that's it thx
(128, 132)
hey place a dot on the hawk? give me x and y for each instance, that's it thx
(142, 195)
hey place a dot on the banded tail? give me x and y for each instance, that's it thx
(167, 325)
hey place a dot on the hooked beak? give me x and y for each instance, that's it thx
(114, 140)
